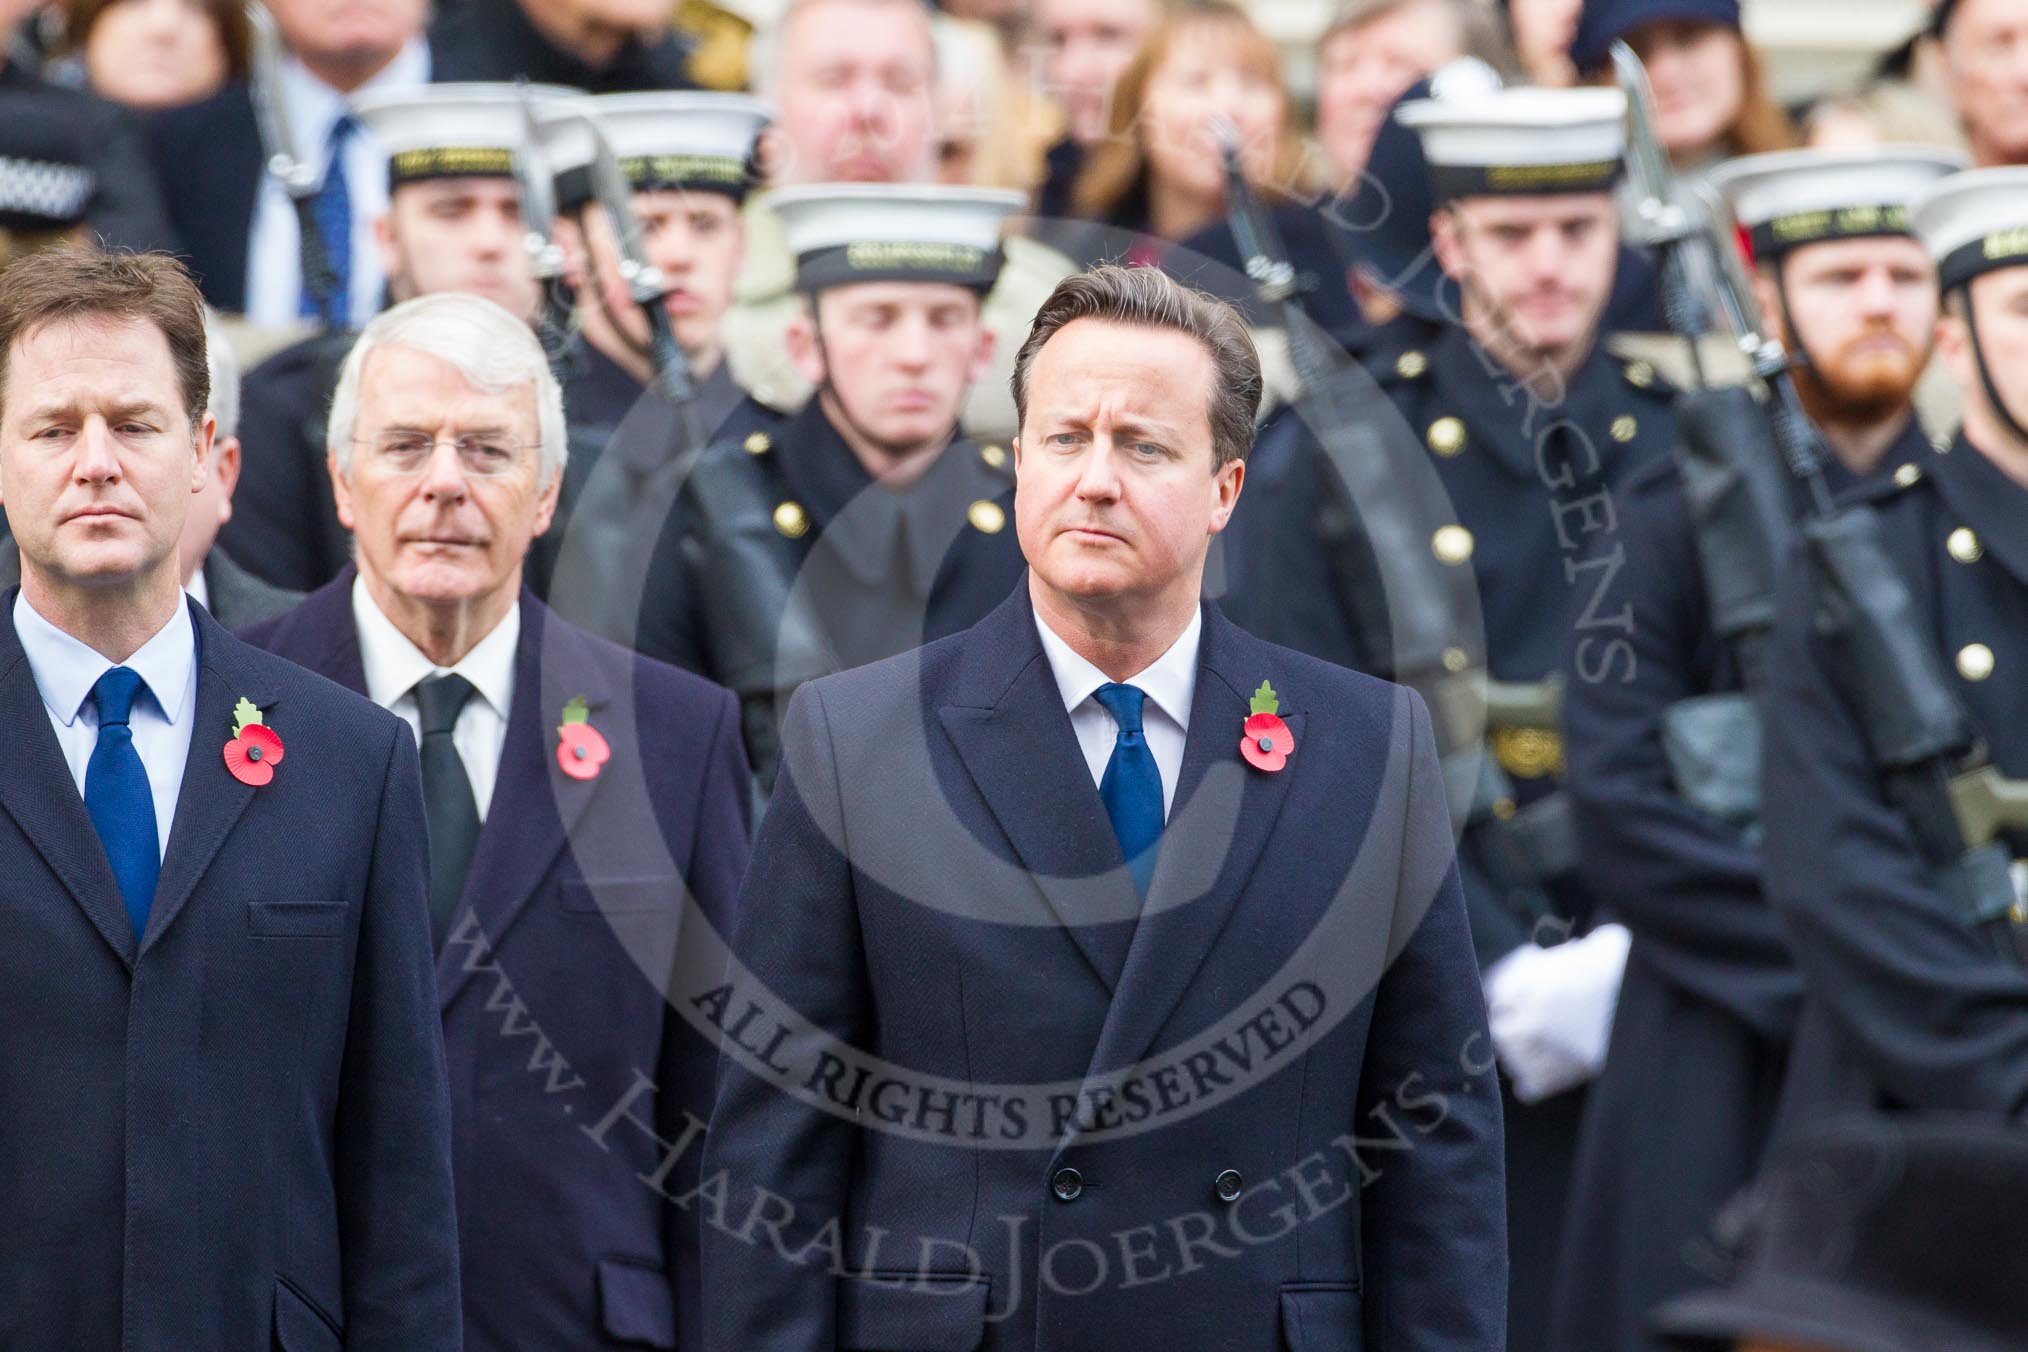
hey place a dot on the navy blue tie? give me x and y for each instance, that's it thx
(331, 209)
(117, 796)
(1131, 788)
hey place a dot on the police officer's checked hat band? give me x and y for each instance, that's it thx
(1789, 199)
(1509, 142)
(842, 233)
(683, 142)
(474, 130)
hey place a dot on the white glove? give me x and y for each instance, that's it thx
(1551, 1010)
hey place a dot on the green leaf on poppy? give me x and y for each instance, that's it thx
(576, 711)
(245, 714)
(1264, 700)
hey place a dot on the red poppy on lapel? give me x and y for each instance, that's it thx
(1265, 741)
(255, 750)
(580, 748)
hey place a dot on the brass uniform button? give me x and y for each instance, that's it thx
(1504, 809)
(1410, 364)
(758, 443)
(1906, 475)
(791, 520)
(1447, 436)
(1451, 544)
(1456, 660)
(986, 517)
(1624, 428)
(1975, 661)
(1640, 374)
(1528, 753)
(1963, 545)
(994, 456)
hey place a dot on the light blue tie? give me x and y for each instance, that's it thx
(117, 796)
(1131, 788)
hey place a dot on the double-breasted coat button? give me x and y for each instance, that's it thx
(1410, 364)
(758, 443)
(1624, 428)
(1975, 661)
(1228, 1185)
(1066, 1183)
(1451, 544)
(1906, 475)
(987, 517)
(1964, 546)
(994, 456)
(1447, 436)
(791, 520)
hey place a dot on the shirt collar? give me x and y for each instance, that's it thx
(66, 668)
(314, 106)
(394, 664)
(1170, 680)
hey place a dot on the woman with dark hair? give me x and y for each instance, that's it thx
(1711, 94)
(1160, 173)
(152, 54)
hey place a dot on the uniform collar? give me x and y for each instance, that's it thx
(393, 663)
(1503, 416)
(66, 668)
(1170, 680)
(1978, 493)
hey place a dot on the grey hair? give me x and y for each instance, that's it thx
(224, 366)
(1150, 298)
(489, 347)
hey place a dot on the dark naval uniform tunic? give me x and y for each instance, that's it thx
(785, 560)
(1679, 1119)
(1534, 484)
(1906, 1005)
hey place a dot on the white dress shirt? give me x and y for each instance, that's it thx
(1170, 682)
(65, 671)
(199, 590)
(274, 264)
(394, 665)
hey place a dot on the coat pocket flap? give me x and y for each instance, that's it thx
(1321, 1319)
(301, 919)
(301, 1326)
(636, 1304)
(913, 1312)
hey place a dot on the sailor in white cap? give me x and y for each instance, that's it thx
(1909, 1001)
(1711, 991)
(1532, 429)
(453, 223)
(869, 523)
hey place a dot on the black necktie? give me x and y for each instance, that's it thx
(447, 797)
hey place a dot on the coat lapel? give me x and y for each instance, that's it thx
(1017, 745)
(535, 806)
(1220, 822)
(210, 802)
(38, 792)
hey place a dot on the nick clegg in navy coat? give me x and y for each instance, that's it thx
(1023, 1062)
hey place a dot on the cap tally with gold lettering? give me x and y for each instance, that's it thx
(841, 233)
(1975, 222)
(1509, 142)
(689, 142)
(453, 130)
(1791, 198)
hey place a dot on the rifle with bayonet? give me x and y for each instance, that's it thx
(299, 180)
(1417, 621)
(1919, 735)
(535, 184)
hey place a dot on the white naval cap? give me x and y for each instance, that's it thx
(453, 130)
(874, 232)
(1790, 198)
(1512, 141)
(1974, 222)
(692, 141)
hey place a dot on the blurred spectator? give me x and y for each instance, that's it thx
(1005, 17)
(47, 185)
(1374, 50)
(987, 129)
(239, 230)
(1084, 46)
(853, 85)
(1711, 95)
(1160, 173)
(1889, 113)
(602, 46)
(1541, 32)
(1985, 47)
(126, 210)
(152, 54)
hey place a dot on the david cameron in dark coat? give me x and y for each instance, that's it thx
(1102, 977)
(223, 1115)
